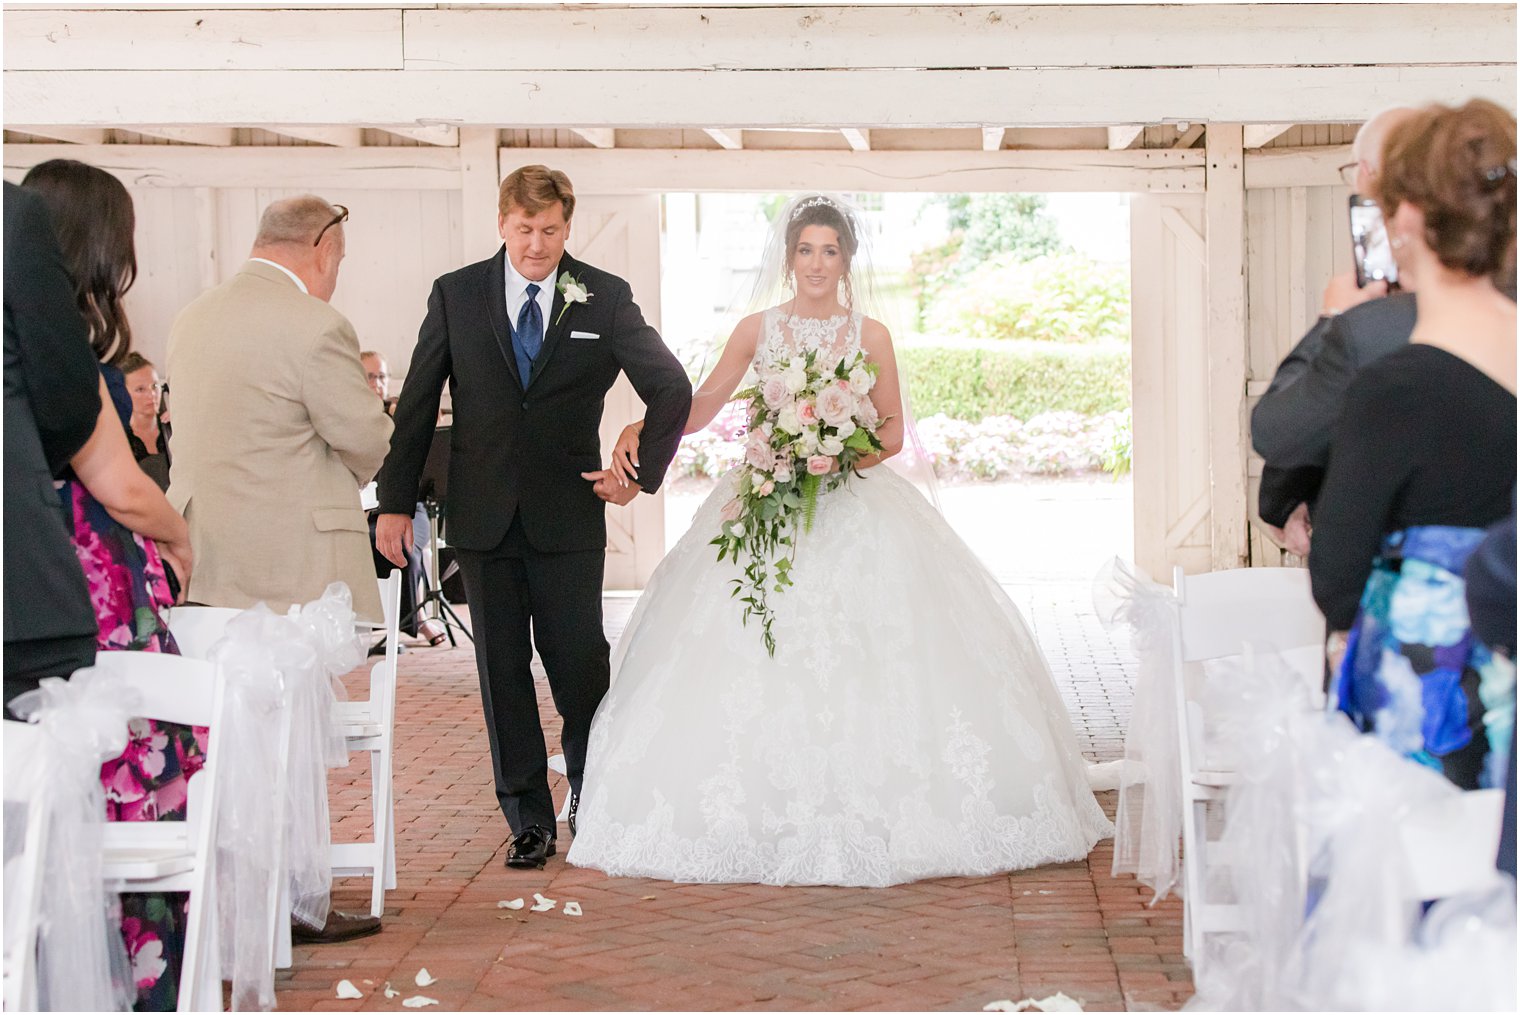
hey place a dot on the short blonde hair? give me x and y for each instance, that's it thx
(536, 188)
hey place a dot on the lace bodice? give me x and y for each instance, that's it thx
(785, 335)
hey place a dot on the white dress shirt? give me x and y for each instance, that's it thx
(517, 294)
(293, 276)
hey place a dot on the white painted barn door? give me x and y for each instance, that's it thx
(621, 234)
(1170, 370)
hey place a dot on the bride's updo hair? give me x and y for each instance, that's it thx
(1457, 165)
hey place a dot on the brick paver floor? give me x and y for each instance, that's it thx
(955, 943)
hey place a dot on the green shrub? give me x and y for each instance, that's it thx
(972, 380)
(1060, 298)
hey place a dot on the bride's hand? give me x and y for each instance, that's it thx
(625, 454)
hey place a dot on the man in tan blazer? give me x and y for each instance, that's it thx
(275, 427)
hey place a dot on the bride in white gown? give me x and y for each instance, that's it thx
(907, 726)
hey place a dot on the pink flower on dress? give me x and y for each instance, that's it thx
(145, 950)
(820, 465)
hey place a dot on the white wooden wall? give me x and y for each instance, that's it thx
(192, 238)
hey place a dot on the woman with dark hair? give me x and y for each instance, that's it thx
(147, 431)
(1423, 457)
(130, 542)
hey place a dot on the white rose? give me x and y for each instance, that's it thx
(861, 380)
(575, 293)
(795, 377)
(784, 474)
(807, 444)
(736, 529)
(758, 479)
(831, 446)
(786, 419)
(845, 429)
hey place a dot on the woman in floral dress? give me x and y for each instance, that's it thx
(127, 539)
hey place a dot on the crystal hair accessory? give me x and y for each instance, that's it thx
(812, 202)
(1498, 173)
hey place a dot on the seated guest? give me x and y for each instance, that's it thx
(149, 433)
(377, 373)
(1422, 459)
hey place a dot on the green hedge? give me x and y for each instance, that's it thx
(971, 380)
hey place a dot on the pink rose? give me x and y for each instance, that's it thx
(774, 392)
(820, 465)
(869, 417)
(732, 510)
(807, 413)
(758, 453)
(836, 405)
(767, 488)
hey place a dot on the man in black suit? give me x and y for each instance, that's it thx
(1290, 426)
(52, 402)
(530, 342)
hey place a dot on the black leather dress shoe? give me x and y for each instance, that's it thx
(530, 848)
(575, 805)
(339, 927)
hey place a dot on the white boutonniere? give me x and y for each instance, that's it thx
(573, 292)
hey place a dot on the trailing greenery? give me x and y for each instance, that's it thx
(971, 380)
(1062, 298)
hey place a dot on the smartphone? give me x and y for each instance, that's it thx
(1369, 244)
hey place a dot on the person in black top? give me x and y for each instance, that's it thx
(52, 400)
(147, 430)
(1422, 459)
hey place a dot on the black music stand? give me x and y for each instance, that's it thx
(433, 489)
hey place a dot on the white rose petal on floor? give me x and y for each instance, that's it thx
(347, 991)
(391, 991)
(572, 909)
(541, 904)
(510, 904)
(418, 1002)
(425, 978)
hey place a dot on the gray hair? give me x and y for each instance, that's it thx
(294, 220)
(1367, 146)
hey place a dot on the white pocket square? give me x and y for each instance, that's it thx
(584, 334)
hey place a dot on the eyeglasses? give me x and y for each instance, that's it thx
(342, 217)
(377, 377)
(1348, 173)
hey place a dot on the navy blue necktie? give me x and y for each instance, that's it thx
(530, 328)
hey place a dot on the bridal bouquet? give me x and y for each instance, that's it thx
(810, 421)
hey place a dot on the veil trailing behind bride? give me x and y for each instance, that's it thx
(905, 727)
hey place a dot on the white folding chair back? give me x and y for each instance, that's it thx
(1220, 615)
(24, 871)
(370, 726)
(175, 856)
(197, 628)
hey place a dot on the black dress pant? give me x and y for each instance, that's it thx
(521, 598)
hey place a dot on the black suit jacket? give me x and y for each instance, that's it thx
(52, 401)
(521, 449)
(1290, 426)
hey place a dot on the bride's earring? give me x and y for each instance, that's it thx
(1396, 241)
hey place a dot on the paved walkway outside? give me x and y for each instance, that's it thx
(943, 944)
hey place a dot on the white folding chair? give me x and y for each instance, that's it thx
(1218, 614)
(24, 871)
(1450, 849)
(370, 726)
(197, 628)
(175, 856)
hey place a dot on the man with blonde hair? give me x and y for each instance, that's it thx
(529, 342)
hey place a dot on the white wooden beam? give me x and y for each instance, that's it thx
(336, 137)
(1187, 138)
(428, 133)
(203, 39)
(859, 140)
(214, 137)
(598, 137)
(992, 138)
(677, 99)
(645, 170)
(729, 140)
(1120, 138)
(402, 168)
(480, 185)
(72, 135)
(1258, 134)
(946, 37)
(1296, 167)
(1225, 217)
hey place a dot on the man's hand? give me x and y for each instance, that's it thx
(611, 488)
(1342, 293)
(1297, 530)
(393, 537)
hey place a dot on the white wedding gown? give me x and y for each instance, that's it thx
(907, 727)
